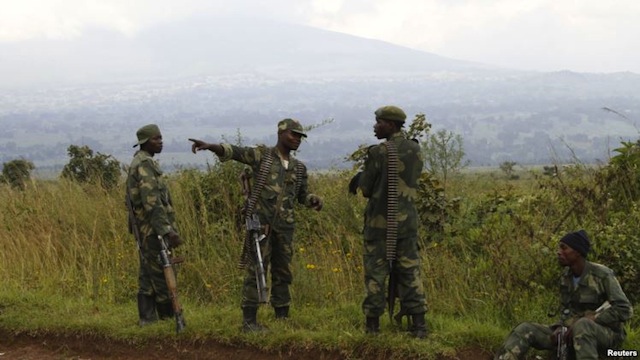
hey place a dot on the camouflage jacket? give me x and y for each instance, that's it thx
(275, 205)
(373, 183)
(150, 196)
(596, 285)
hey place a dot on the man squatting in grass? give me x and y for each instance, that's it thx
(286, 183)
(155, 216)
(374, 183)
(584, 287)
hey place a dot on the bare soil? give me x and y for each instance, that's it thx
(58, 347)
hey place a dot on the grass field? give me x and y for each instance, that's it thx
(68, 264)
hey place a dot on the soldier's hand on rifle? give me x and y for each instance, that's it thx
(173, 239)
(315, 202)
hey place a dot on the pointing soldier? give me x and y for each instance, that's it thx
(285, 184)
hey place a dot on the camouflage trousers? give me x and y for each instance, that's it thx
(151, 281)
(277, 253)
(589, 339)
(406, 268)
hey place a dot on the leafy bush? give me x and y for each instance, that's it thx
(17, 173)
(85, 167)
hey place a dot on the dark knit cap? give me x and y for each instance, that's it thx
(578, 241)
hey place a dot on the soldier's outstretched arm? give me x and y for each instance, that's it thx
(199, 145)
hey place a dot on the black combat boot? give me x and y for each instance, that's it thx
(282, 312)
(373, 325)
(146, 310)
(419, 326)
(165, 310)
(249, 320)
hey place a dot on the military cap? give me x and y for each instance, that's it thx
(146, 132)
(291, 124)
(578, 241)
(392, 113)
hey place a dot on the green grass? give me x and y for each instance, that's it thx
(69, 265)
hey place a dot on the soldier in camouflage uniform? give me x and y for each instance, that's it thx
(584, 287)
(286, 184)
(372, 181)
(155, 216)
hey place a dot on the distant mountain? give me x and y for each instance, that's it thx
(222, 80)
(201, 46)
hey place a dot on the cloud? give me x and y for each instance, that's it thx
(589, 35)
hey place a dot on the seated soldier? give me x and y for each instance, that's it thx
(597, 308)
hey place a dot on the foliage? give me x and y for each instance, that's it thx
(17, 173)
(444, 154)
(85, 167)
(435, 210)
(507, 168)
(418, 128)
(490, 260)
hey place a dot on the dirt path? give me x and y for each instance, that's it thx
(52, 347)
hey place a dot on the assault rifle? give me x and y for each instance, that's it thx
(167, 265)
(254, 238)
(170, 277)
(563, 349)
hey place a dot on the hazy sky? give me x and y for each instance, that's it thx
(548, 35)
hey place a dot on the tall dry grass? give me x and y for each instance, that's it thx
(496, 261)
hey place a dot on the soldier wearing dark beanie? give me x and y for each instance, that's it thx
(578, 241)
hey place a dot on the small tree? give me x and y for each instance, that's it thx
(84, 167)
(418, 128)
(444, 154)
(17, 173)
(508, 168)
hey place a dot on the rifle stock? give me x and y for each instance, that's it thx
(167, 266)
(170, 277)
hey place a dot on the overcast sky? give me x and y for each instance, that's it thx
(547, 35)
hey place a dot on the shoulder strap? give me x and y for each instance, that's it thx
(392, 199)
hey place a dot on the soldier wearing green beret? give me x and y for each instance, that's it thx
(400, 225)
(154, 214)
(285, 184)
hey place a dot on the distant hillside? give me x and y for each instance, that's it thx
(211, 46)
(219, 79)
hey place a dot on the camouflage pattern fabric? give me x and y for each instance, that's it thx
(276, 201)
(373, 184)
(278, 252)
(150, 196)
(275, 206)
(154, 211)
(596, 285)
(407, 270)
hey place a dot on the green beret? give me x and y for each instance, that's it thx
(291, 124)
(146, 132)
(391, 112)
